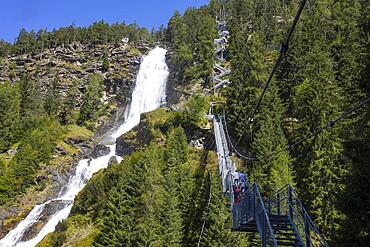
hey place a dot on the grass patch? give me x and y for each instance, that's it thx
(133, 52)
(5, 158)
(47, 241)
(158, 117)
(77, 132)
(69, 149)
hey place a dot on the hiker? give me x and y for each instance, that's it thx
(243, 181)
(237, 195)
(235, 178)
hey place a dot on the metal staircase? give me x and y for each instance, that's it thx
(220, 49)
(280, 220)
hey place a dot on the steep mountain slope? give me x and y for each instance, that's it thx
(69, 70)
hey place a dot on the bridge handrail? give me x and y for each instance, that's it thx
(308, 218)
(278, 191)
(283, 202)
(286, 202)
(263, 220)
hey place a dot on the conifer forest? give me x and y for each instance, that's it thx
(110, 134)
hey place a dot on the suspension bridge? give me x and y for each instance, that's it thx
(281, 219)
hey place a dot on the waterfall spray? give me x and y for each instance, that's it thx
(149, 94)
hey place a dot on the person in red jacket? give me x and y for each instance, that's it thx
(237, 196)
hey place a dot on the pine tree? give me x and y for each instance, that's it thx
(9, 115)
(25, 41)
(248, 76)
(115, 220)
(201, 42)
(91, 99)
(68, 108)
(52, 100)
(274, 169)
(31, 99)
(105, 64)
(176, 154)
(122, 211)
(347, 48)
(217, 231)
(354, 201)
(171, 221)
(177, 148)
(149, 228)
(319, 167)
(191, 36)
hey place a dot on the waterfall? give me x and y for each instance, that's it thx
(149, 94)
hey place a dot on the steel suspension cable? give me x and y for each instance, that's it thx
(207, 208)
(328, 125)
(283, 50)
(230, 141)
(208, 143)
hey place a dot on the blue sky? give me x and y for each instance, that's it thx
(37, 14)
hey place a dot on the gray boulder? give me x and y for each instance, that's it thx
(99, 150)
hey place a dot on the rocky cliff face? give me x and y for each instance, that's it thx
(178, 90)
(72, 65)
(77, 144)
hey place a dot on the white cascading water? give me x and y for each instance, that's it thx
(149, 94)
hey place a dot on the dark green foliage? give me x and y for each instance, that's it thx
(347, 48)
(271, 173)
(191, 36)
(31, 98)
(27, 125)
(96, 34)
(118, 220)
(25, 41)
(68, 107)
(5, 48)
(52, 100)
(324, 73)
(34, 151)
(196, 109)
(156, 197)
(355, 199)
(177, 147)
(91, 100)
(215, 6)
(9, 115)
(318, 99)
(248, 76)
(217, 229)
(105, 63)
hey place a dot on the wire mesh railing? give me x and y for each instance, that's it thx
(251, 212)
(285, 202)
(250, 208)
(262, 220)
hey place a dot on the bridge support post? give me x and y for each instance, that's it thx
(254, 202)
(263, 231)
(290, 202)
(278, 203)
(306, 230)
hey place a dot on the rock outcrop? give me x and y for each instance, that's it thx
(135, 139)
(99, 150)
(73, 65)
